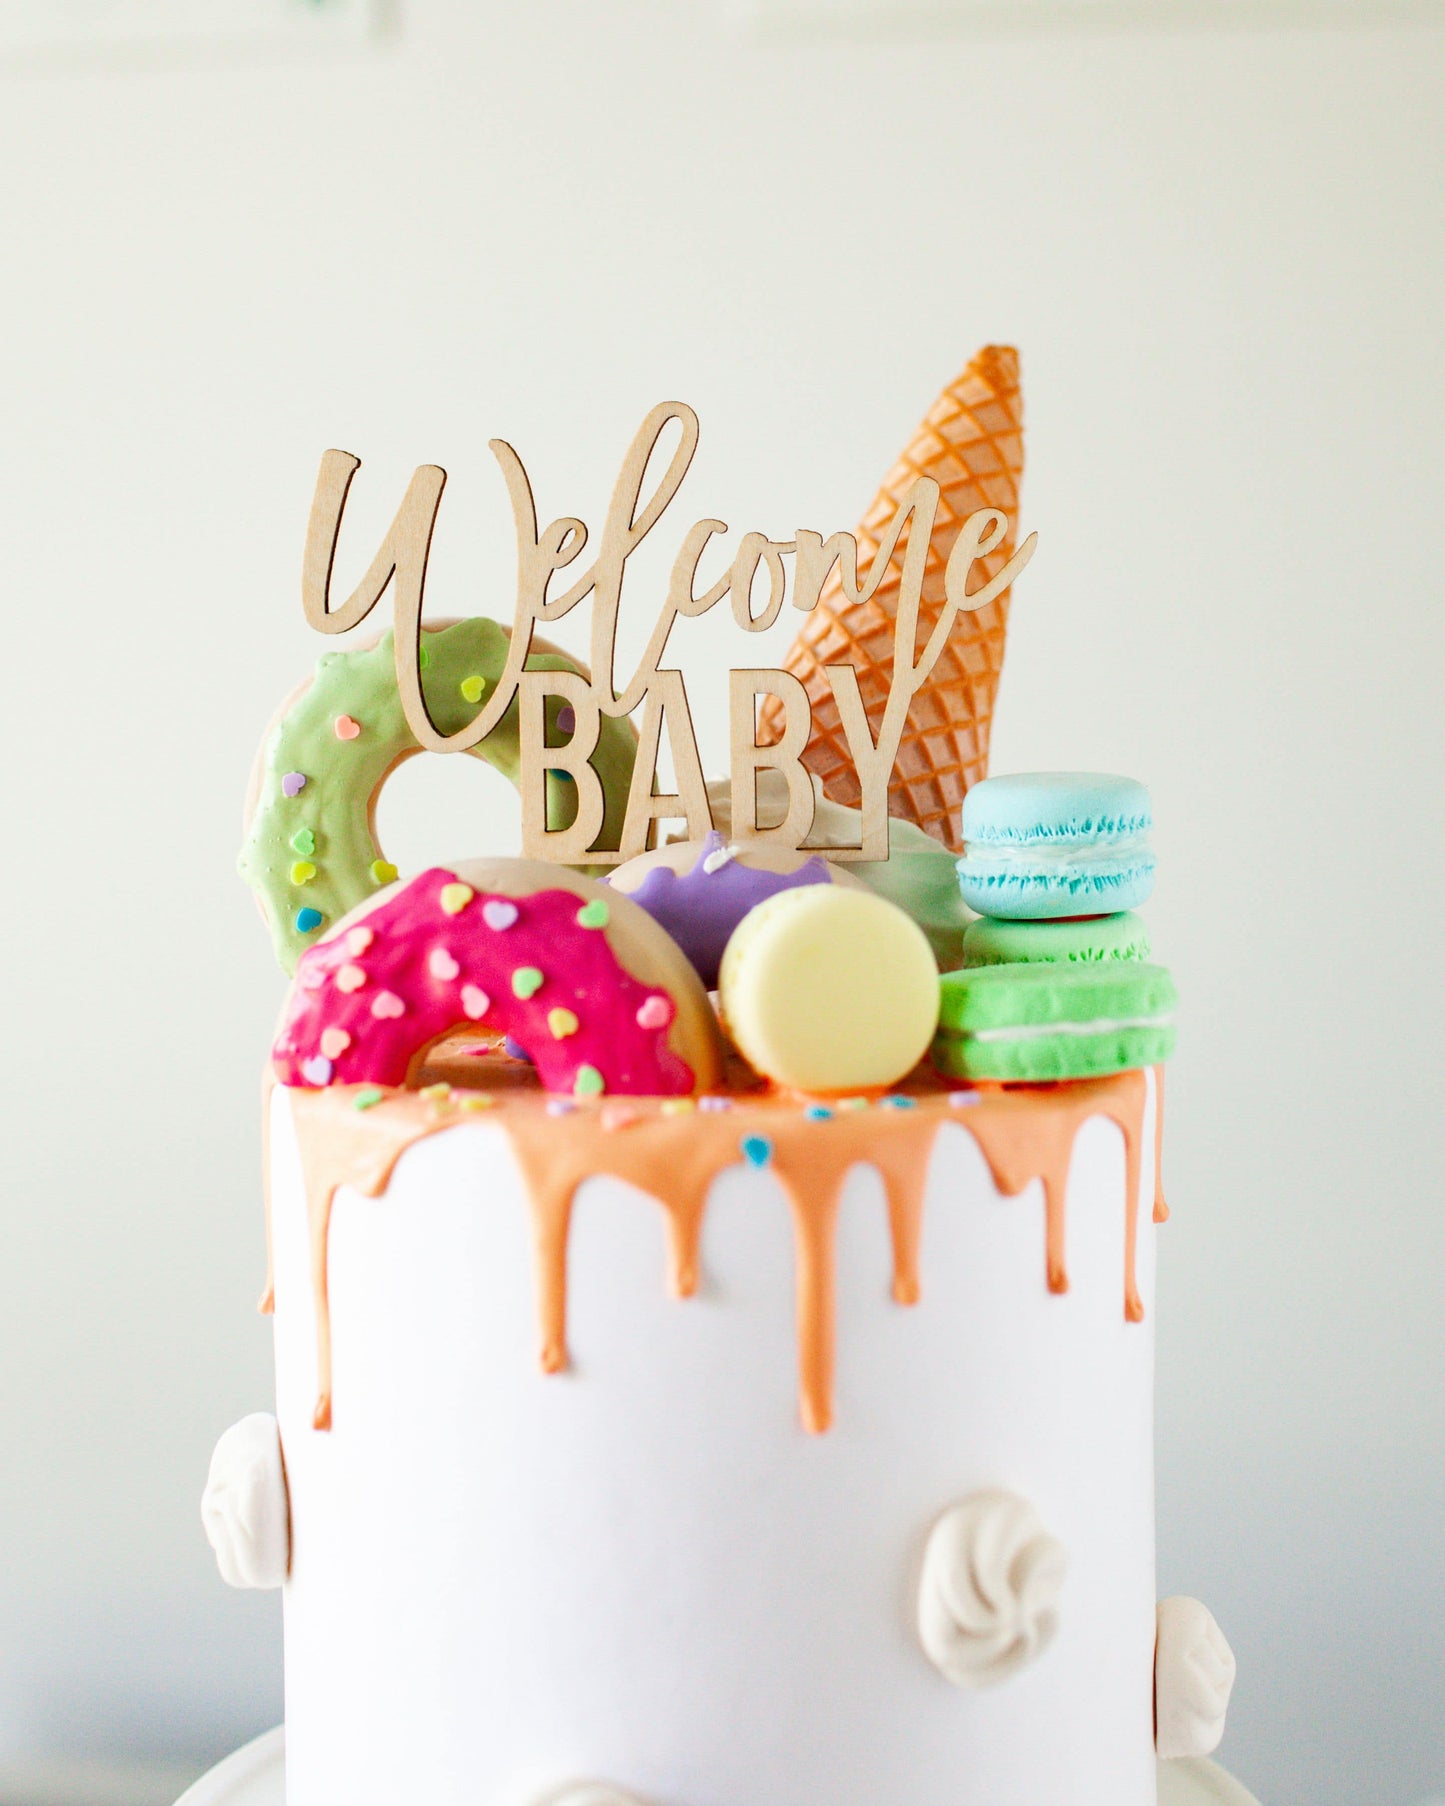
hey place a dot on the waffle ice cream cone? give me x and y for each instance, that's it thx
(971, 443)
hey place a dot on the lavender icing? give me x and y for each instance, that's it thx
(700, 908)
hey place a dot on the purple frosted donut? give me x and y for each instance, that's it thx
(700, 890)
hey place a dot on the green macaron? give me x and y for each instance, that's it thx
(1087, 939)
(1036, 1022)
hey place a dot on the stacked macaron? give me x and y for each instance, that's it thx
(1056, 982)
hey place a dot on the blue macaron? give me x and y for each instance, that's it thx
(1044, 844)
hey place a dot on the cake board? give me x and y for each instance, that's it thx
(255, 1775)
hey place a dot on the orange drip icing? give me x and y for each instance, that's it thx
(1024, 1133)
(1161, 1209)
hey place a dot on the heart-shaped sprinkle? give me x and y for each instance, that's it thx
(527, 981)
(475, 1003)
(656, 1011)
(367, 1098)
(309, 975)
(293, 783)
(383, 871)
(386, 1006)
(818, 1113)
(588, 1082)
(757, 1150)
(560, 1106)
(308, 920)
(678, 1106)
(317, 1070)
(498, 913)
(350, 978)
(436, 1094)
(477, 1100)
(347, 727)
(714, 1103)
(717, 859)
(334, 1042)
(964, 1100)
(441, 964)
(303, 841)
(619, 1116)
(358, 940)
(455, 897)
(852, 1103)
(562, 1023)
(593, 914)
(302, 872)
(472, 687)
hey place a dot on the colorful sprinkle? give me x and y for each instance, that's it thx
(475, 1003)
(347, 727)
(436, 1094)
(527, 981)
(293, 783)
(367, 1098)
(678, 1106)
(961, 1100)
(560, 1106)
(894, 1102)
(656, 1011)
(441, 964)
(757, 1149)
(499, 914)
(472, 687)
(308, 920)
(350, 978)
(317, 1070)
(386, 1006)
(302, 872)
(384, 871)
(303, 841)
(593, 914)
(455, 897)
(477, 1100)
(515, 1049)
(358, 940)
(818, 1113)
(619, 1116)
(562, 1023)
(852, 1103)
(589, 1082)
(714, 1104)
(310, 976)
(334, 1042)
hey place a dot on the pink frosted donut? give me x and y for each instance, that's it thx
(600, 997)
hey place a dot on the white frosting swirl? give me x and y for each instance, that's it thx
(989, 1595)
(245, 1508)
(1193, 1676)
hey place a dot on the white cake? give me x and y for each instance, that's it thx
(643, 1570)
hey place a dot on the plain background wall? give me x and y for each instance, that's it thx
(1221, 253)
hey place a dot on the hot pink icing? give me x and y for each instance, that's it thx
(414, 970)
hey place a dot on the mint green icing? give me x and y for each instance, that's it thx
(336, 805)
(991, 942)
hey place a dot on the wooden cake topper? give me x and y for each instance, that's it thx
(658, 691)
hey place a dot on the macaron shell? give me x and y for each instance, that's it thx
(829, 989)
(989, 941)
(1048, 1058)
(1016, 892)
(1057, 807)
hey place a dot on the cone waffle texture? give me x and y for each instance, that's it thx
(971, 443)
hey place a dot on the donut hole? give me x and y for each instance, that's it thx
(437, 808)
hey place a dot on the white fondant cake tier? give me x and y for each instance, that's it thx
(643, 1571)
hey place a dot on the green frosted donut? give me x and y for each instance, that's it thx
(311, 853)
